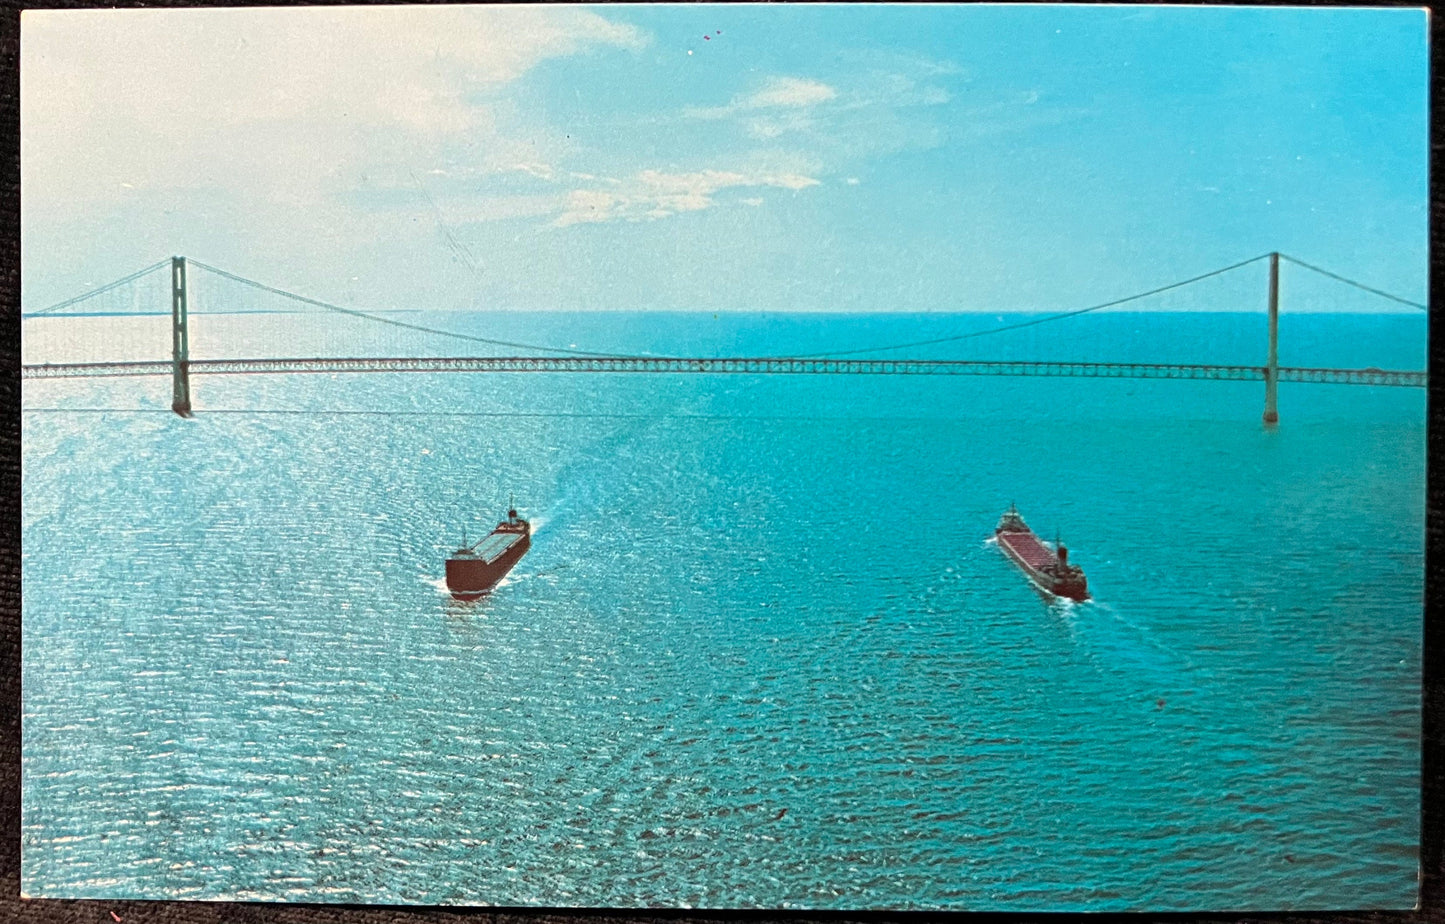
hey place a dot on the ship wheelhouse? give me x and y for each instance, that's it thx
(1011, 522)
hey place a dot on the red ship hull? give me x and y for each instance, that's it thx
(1043, 565)
(473, 571)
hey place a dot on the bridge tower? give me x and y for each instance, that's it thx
(1271, 368)
(180, 343)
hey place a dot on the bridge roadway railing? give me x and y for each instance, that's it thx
(734, 365)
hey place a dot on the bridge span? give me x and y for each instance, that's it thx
(732, 365)
(181, 366)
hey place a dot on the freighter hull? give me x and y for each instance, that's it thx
(1048, 569)
(474, 570)
(1042, 581)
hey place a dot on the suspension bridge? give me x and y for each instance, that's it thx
(181, 367)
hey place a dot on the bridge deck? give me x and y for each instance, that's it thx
(731, 365)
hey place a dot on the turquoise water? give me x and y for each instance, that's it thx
(761, 653)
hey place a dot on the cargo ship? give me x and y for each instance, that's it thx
(1048, 568)
(475, 569)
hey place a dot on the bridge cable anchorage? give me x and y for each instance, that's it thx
(103, 289)
(1350, 282)
(1045, 320)
(371, 317)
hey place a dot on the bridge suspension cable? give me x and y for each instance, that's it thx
(1035, 321)
(100, 291)
(823, 354)
(1351, 282)
(392, 321)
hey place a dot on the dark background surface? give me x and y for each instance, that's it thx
(12, 908)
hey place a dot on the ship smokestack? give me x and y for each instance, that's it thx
(1063, 554)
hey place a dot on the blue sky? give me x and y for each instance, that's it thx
(861, 158)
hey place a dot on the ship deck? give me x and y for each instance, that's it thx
(490, 548)
(1028, 548)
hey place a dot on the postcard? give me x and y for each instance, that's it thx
(822, 457)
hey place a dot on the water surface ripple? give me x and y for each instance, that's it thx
(760, 654)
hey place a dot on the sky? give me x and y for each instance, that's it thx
(722, 158)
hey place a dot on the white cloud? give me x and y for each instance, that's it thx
(789, 91)
(898, 61)
(204, 97)
(863, 113)
(281, 136)
(894, 91)
(540, 171)
(776, 93)
(652, 194)
(773, 125)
